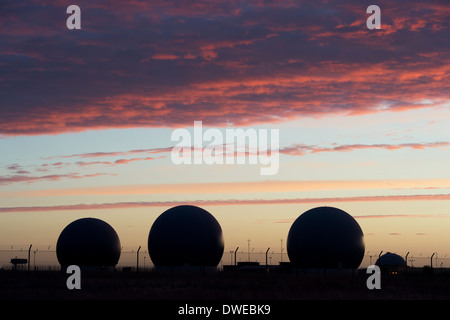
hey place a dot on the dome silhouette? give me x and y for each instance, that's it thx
(88, 242)
(325, 237)
(390, 260)
(185, 235)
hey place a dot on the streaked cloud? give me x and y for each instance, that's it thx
(248, 187)
(25, 178)
(114, 158)
(112, 153)
(115, 162)
(380, 216)
(143, 204)
(300, 150)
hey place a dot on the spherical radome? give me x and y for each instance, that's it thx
(185, 235)
(88, 242)
(390, 260)
(325, 237)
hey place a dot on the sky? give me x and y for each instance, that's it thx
(363, 117)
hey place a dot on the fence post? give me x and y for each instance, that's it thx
(137, 259)
(29, 250)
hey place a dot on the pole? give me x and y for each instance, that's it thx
(431, 260)
(235, 263)
(406, 260)
(281, 251)
(137, 259)
(266, 254)
(29, 251)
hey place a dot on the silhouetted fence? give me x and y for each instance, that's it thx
(43, 257)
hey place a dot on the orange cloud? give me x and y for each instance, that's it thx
(165, 56)
(267, 186)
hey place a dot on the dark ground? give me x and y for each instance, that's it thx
(198, 286)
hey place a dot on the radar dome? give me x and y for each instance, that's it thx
(325, 237)
(185, 235)
(88, 242)
(390, 260)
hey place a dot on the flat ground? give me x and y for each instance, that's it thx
(119, 285)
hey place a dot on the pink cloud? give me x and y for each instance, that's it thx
(300, 149)
(125, 161)
(220, 60)
(4, 180)
(323, 201)
(113, 153)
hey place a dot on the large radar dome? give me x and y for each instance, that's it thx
(185, 235)
(325, 237)
(88, 242)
